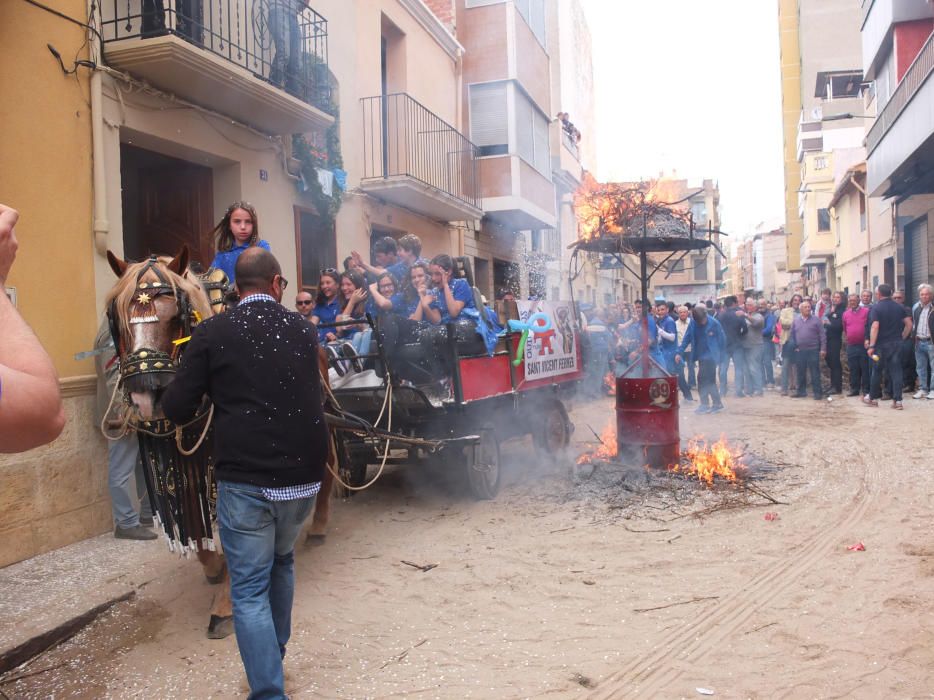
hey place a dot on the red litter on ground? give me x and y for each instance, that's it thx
(771, 516)
(858, 547)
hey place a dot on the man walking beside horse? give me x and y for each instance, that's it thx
(258, 363)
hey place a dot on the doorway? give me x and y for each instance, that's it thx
(505, 277)
(167, 203)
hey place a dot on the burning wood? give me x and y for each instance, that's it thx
(606, 450)
(706, 461)
(613, 209)
(609, 381)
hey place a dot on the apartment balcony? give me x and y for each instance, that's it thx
(817, 248)
(516, 195)
(565, 156)
(876, 32)
(415, 159)
(900, 145)
(810, 138)
(257, 61)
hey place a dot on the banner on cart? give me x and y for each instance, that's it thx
(552, 351)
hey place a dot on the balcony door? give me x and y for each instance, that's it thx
(167, 203)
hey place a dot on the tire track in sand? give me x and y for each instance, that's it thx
(645, 675)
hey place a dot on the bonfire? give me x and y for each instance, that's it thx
(707, 461)
(609, 382)
(606, 450)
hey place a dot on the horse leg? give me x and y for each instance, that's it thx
(220, 624)
(319, 520)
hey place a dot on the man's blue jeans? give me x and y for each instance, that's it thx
(258, 536)
(924, 364)
(737, 353)
(858, 361)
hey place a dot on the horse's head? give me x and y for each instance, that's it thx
(152, 306)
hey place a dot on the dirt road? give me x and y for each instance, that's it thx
(619, 586)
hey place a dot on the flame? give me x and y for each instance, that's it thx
(707, 461)
(607, 449)
(611, 208)
(609, 381)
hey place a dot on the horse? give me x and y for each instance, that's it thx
(152, 309)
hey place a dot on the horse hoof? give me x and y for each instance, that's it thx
(220, 627)
(314, 540)
(214, 580)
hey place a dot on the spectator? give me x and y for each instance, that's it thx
(854, 330)
(810, 343)
(833, 325)
(753, 346)
(705, 336)
(865, 298)
(305, 305)
(890, 324)
(31, 412)
(770, 315)
(668, 343)
(786, 319)
(735, 328)
(922, 325)
(909, 373)
(825, 304)
(684, 320)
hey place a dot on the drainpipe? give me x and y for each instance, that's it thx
(98, 173)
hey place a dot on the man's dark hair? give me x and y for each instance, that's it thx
(255, 269)
(826, 290)
(347, 261)
(730, 301)
(699, 313)
(411, 244)
(386, 245)
(885, 290)
(671, 306)
(708, 304)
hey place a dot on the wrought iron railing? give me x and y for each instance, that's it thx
(916, 75)
(402, 137)
(283, 42)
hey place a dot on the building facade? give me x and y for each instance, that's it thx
(898, 58)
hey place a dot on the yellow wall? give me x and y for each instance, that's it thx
(45, 173)
(791, 111)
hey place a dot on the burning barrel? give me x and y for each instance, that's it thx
(647, 416)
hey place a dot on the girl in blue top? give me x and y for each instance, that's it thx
(385, 298)
(451, 299)
(237, 231)
(327, 305)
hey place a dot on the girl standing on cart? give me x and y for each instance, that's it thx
(236, 231)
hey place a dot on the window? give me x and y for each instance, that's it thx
(862, 212)
(488, 118)
(699, 263)
(316, 247)
(532, 135)
(677, 266)
(823, 220)
(820, 163)
(553, 245)
(533, 12)
(699, 212)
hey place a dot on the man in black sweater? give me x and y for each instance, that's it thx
(258, 363)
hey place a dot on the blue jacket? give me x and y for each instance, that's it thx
(708, 345)
(668, 347)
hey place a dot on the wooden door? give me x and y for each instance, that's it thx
(176, 207)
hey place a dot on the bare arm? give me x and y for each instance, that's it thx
(378, 299)
(873, 334)
(907, 322)
(31, 412)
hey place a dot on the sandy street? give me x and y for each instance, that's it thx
(620, 586)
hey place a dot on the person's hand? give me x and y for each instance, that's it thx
(823, 354)
(357, 296)
(677, 359)
(8, 242)
(357, 258)
(447, 276)
(741, 313)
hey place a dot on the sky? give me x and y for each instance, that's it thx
(692, 87)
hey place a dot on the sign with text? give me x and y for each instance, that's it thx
(552, 351)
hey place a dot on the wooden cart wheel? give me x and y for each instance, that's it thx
(483, 472)
(554, 432)
(352, 471)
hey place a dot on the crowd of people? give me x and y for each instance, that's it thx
(786, 346)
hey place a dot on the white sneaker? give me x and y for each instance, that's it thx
(931, 394)
(920, 394)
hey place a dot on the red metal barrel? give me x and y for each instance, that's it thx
(647, 420)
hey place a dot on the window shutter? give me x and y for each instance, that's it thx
(488, 116)
(525, 128)
(542, 157)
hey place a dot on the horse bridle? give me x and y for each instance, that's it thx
(149, 360)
